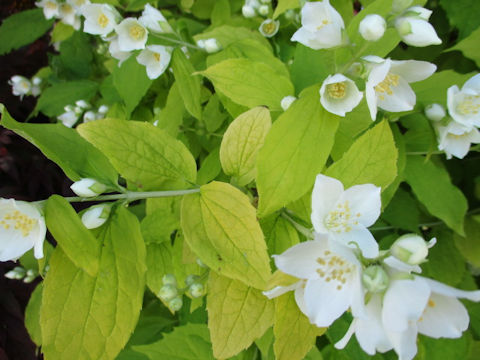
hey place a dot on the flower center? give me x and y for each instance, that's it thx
(137, 32)
(269, 28)
(340, 219)
(334, 268)
(385, 87)
(103, 20)
(470, 105)
(337, 90)
(156, 56)
(50, 5)
(324, 22)
(19, 221)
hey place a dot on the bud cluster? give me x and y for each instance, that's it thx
(19, 273)
(171, 294)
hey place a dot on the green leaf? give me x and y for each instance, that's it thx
(61, 32)
(295, 150)
(158, 226)
(227, 35)
(22, 28)
(84, 317)
(451, 206)
(372, 159)
(462, 14)
(279, 234)
(294, 334)
(469, 46)
(189, 85)
(402, 212)
(210, 167)
(468, 245)
(76, 54)
(221, 12)
(188, 342)
(53, 99)
(237, 315)
(241, 142)
(76, 241)
(171, 116)
(220, 226)
(131, 82)
(159, 263)
(249, 83)
(284, 5)
(64, 146)
(32, 315)
(212, 116)
(144, 155)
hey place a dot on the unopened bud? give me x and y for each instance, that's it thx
(36, 80)
(17, 273)
(372, 27)
(212, 45)
(269, 27)
(263, 10)
(435, 112)
(89, 116)
(201, 43)
(96, 216)
(103, 109)
(375, 279)
(82, 104)
(30, 276)
(412, 249)
(88, 187)
(167, 292)
(169, 279)
(175, 304)
(196, 290)
(190, 279)
(248, 11)
(287, 101)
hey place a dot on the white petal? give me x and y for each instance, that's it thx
(340, 344)
(364, 202)
(361, 237)
(442, 289)
(413, 70)
(300, 297)
(393, 262)
(371, 98)
(422, 33)
(326, 192)
(473, 84)
(404, 343)
(280, 290)
(402, 97)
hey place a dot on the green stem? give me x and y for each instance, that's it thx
(180, 42)
(424, 152)
(354, 57)
(133, 196)
(300, 228)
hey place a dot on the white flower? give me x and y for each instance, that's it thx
(464, 105)
(435, 112)
(22, 227)
(330, 281)
(455, 139)
(269, 27)
(95, 216)
(248, 11)
(156, 59)
(100, 19)
(411, 249)
(36, 89)
(21, 86)
(372, 27)
(89, 116)
(50, 8)
(263, 10)
(346, 214)
(114, 50)
(132, 35)
(154, 21)
(212, 45)
(69, 16)
(339, 94)
(387, 84)
(287, 101)
(87, 187)
(321, 27)
(77, 4)
(69, 117)
(414, 28)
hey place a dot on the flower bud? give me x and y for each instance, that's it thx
(87, 187)
(414, 28)
(412, 249)
(375, 279)
(30, 276)
(96, 216)
(169, 279)
(17, 273)
(435, 112)
(196, 290)
(36, 80)
(103, 109)
(372, 27)
(167, 292)
(82, 104)
(190, 279)
(287, 101)
(269, 27)
(89, 116)
(399, 5)
(263, 10)
(212, 45)
(201, 43)
(248, 11)
(201, 263)
(175, 304)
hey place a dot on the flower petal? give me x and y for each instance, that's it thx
(405, 342)
(442, 289)
(413, 70)
(326, 192)
(360, 236)
(400, 97)
(364, 202)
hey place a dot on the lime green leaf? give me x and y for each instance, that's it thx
(237, 315)
(294, 335)
(171, 116)
(22, 28)
(227, 35)
(221, 12)
(241, 142)
(469, 46)
(32, 315)
(295, 150)
(210, 167)
(451, 206)
(279, 234)
(131, 82)
(93, 317)
(371, 159)
(220, 226)
(188, 84)
(430, 348)
(146, 156)
(76, 156)
(188, 342)
(159, 263)
(462, 14)
(61, 32)
(53, 99)
(468, 245)
(249, 83)
(76, 241)
(284, 5)
(212, 116)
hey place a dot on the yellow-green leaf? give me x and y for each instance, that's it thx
(241, 142)
(220, 226)
(237, 315)
(284, 5)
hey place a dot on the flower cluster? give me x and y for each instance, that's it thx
(81, 109)
(171, 295)
(343, 269)
(67, 12)
(251, 8)
(22, 86)
(459, 130)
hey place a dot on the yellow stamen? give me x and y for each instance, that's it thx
(137, 32)
(337, 90)
(385, 87)
(103, 20)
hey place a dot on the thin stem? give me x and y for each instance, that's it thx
(133, 196)
(424, 152)
(180, 42)
(300, 228)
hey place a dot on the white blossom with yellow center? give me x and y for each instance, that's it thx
(50, 8)
(330, 279)
(322, 26)
(132, 35)
(455, 139)
(156, 59)
(68, 15)
(339, 94)
(346, 214)
(154, 21)
(387, 85)
(21, 86)
(22, 227)
(100, 19)
(464, 105)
